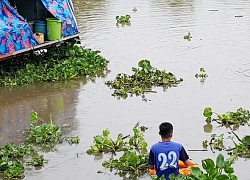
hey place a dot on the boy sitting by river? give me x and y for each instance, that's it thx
(165, 155)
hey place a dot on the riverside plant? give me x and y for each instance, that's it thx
(216, 142)
(45, 134)
(134, 158)
(202, 74)
(13, 158)
(241, 147)
(123, 19)
(130, 162)
(145, 77)
(188, 36)
(66, 61)
(104, 143)
(240, 117)
(220, 170)
(42, 133)
(37, 161)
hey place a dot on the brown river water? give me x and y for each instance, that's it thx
(220, 43)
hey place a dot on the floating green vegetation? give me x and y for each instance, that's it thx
(37, 161)
(42, 133)
(123, 19)
(216, 142)
(155, 177)
(240, 149)
(221, 169)
(13, 158)
(188, 36)
(133, 161)
(104, 143)
(201, 75)
(240, 117)
(62, 62)
(144, 78)
(129, 162)
(73, 140)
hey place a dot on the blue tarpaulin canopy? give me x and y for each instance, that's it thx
(15, 33)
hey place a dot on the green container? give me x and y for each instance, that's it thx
(54, 29)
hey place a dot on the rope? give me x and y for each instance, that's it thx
(15, 5)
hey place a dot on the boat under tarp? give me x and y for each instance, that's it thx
(16, 34)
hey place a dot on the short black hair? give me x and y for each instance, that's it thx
(166, 129)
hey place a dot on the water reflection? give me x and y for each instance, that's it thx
(56, 99)
(208, 128)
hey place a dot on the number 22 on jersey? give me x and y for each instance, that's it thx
(167, 160)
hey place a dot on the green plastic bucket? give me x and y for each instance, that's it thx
(54, 29)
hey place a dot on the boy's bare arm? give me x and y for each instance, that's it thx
(189, 163)
(151, 166)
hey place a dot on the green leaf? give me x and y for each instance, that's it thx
(33, 116)
(209, 120)
(94, 148)
(202, 70)
(221, 177)
(229, 170)
(145, 64)
(208, 164)
(106, 133)
(134, 69)
(233, 177)
(71, 52)
(39, 139)
(246, 140)
(98, 139)
(196, 172)
(207, 112)
(90, 151)
(213, 172)
(220, 161)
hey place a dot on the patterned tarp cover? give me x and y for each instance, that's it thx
(63, 10)
(15, 33)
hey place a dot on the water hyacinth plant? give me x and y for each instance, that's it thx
(66, 61)
(202, 75)
(144, 78)
(188, 36)
(42, 133)
(104, 143)
(130, 162)
(134, 156)
(220, 170)
(13, 158)
(240, 117)
(216, 142)
(242, 147)
(123, 19)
